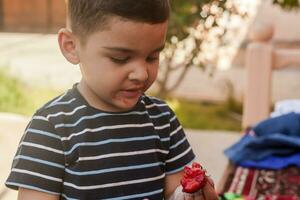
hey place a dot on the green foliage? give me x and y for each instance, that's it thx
(16, 97)
(205, 24)
(12, 97)
(234, 106)
(287, 4)
(197, 32)
(205, 116)
(186, 14)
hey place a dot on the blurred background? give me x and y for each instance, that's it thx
(202, 74)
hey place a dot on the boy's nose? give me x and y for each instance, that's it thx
(139, 73)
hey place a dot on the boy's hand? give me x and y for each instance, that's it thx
(206, 193)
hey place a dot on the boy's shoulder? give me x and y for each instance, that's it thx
(70, 106)
(151, 101)
(64, 103)
(155, 103)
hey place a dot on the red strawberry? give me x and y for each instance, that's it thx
(196, 165)
(193, 179)
(192, 186)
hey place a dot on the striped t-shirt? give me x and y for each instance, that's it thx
(76, 151)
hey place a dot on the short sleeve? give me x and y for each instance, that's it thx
(39, 161)
(180, 151)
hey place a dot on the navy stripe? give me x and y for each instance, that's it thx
(137, 195)
(31, 187)
(114, 169)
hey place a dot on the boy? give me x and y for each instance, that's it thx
(105, 139)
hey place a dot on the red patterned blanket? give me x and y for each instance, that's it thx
(260, 184)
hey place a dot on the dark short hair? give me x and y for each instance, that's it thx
(87, 16)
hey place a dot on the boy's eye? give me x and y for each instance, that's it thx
(119, 60)
(152, 59)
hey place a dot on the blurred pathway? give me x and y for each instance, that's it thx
(36, 59)
(11, 129)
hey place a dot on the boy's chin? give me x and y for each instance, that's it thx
(128, 104)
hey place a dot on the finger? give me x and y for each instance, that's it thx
(199, 195)
(211, 182)
(188, 196)
(209, 192)
(178, 194)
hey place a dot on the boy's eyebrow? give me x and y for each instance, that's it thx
(126, 50)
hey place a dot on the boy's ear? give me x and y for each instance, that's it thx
(68, 45)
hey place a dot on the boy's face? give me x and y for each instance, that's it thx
(120, 63)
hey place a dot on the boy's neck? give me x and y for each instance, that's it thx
(88, 95)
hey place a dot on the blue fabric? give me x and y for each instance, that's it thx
(273, 162)
(288, 124)
(279, 136)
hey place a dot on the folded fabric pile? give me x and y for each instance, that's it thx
(268, 159)
(272, 144)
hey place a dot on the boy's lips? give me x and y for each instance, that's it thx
(132, 93)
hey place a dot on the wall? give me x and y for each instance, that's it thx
(33, 15)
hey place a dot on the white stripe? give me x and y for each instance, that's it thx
(131, 153)
(173, 118)
(42, 147)
(114, 184)
(178, 143)
(106, 127)
(40, 161)
(61, 103)
(108, 114)
(179, 156)
(161, 127)
(40, 132)
(55, 101)
(154, 98)
(154, 104)
(143, 102)
(103, 142)
(115, 169)
(159, 115)
(176, 130)
(64, 102)
(165, 139)
(22, 171)
(65, 113)
(98, 115)
(68, 198)
(40, 118)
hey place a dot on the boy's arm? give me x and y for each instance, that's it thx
(39, 162)
(172, 181)
(27, 194)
